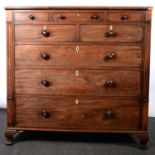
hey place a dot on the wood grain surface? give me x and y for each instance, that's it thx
(83, 69)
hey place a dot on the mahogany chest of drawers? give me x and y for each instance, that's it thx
(79, 69)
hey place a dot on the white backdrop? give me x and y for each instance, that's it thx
(4, 3)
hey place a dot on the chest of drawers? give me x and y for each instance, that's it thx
(79, 69)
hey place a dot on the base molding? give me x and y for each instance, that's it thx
(142, 137)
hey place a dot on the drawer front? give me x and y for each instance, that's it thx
(111, 33)
(125, 16)
(75, 56)
(77, 113)
(77, 17)
(31, 17)
(54, 33)
(78, 81)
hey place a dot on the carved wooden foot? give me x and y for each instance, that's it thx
(143, 140)
(9, 134)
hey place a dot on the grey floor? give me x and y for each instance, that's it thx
(43, 143)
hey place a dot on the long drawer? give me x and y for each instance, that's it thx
(78, 81)
(77, 56)
(72, 113)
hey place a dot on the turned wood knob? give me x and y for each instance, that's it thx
(45, 113)
(32, 17)
(110, 33)
(110, 56)
(45, 33)
(109, 114)
(124, 18)
(62, 17)
(45, 56)
(110, 83)
(95, 17)
(45, 82)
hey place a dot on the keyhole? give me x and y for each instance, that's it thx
(77, 49)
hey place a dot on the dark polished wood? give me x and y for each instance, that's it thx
(102, 33)
(60, 56)
(77, 16)
(55, 33)
(78, 82)
(77, 112)
(126, 16)
(78, 69)
(31, 17)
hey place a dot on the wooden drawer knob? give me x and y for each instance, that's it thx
(109, 114)
(95, 17)
(124, 18)
(45, 114)
(45, 56)
(45, 33)
(45, 82)
(62, 17)
(110, 83)
(110, 33)
(110, 56)
(32, 17)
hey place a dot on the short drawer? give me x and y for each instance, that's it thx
(84, 113)
(111, 33)
(125, 16)
(77, 17)
(54, 33)
(78, 82)
(31, 17)
(77, 56)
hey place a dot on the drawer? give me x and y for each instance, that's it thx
(111, 33)
(77, 56)
(54, 33)
(31, 17)
(77, 113)
(77, 17)
(125, 16)
(77, 82)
